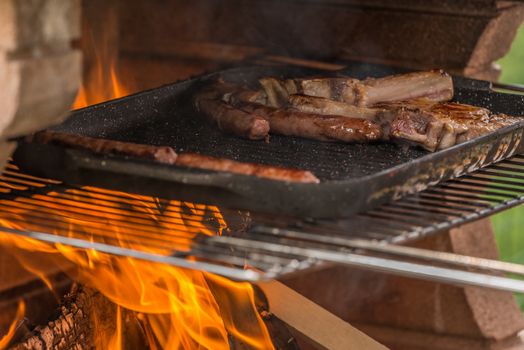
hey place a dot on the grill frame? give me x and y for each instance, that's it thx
(275, 247)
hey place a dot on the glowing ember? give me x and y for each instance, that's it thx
(178, 307)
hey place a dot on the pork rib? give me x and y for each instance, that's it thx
(321, 105)
(434, 85)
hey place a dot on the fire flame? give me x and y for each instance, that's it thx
(6, 339)
(101, 89)
(181, 309)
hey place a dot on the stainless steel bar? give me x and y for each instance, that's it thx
(444, 202)
(487, 186)
(508, 87)
(418, 213)
(493, 180)
(179, 230)
(499, 174)
(429, 208)
(45, 204)
(74, 200)
(403, 251)
(234, 273)
(140, 238)
(453, 192)
(407, 269)
(486, 193)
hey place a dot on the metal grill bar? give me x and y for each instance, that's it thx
(179, 234)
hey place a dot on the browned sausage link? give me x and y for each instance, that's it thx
(233, 120)
(194, 160)
(162, 154)
(168, 155)
(291, 122)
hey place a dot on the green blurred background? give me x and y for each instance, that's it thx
(509, 224)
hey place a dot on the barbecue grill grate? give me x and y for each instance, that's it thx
(171, 231)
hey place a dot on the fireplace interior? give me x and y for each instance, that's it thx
(92, 264)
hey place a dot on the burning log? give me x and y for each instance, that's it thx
(74, 327)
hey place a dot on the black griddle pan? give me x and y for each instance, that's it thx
(353, 177)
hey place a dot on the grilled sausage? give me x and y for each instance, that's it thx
(212, 103)
(162, 154)
(167, 155)
(291, 122)
(200, 161)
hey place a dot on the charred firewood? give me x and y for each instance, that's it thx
(73, 327)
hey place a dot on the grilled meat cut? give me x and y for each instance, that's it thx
(321, 105)
(409, 108)
(276, 92)
(439, 125)
(167, 155)
(200, 161)
(290, 122)
(229, 118)
(435, 85)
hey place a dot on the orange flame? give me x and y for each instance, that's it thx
(93, 93)
(102, 85)
(179, 307)
(6, 339)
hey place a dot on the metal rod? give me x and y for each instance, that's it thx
(424, 254)
(234, 273)
(406, 269)
(508, 87)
